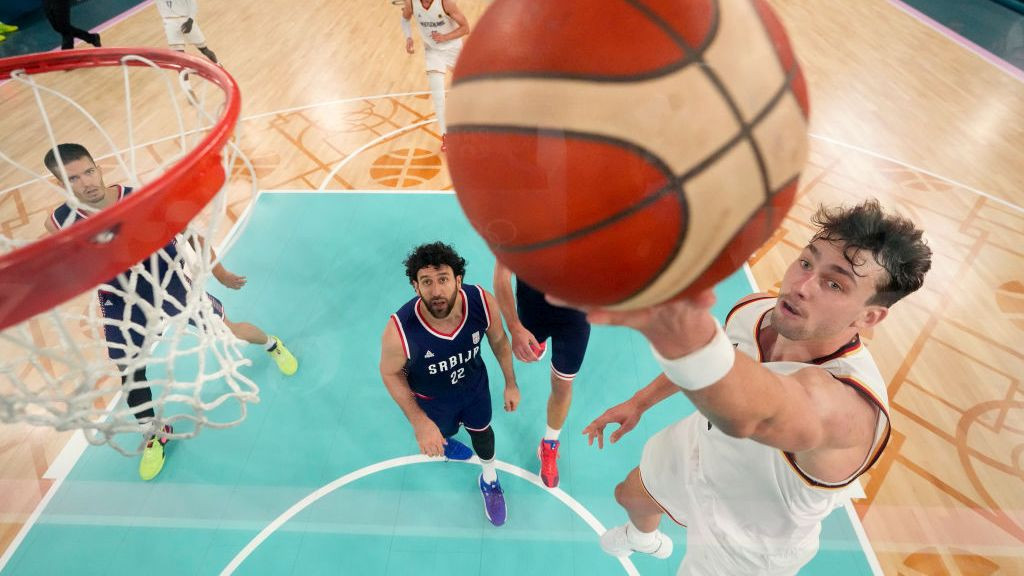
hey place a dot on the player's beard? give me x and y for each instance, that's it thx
(445, 306)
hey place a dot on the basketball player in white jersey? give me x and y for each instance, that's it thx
(791, 407)
(181, 27)
(442, 26)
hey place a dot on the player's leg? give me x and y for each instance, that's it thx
(568, 347)
(196, 38)
(124, 342)
(641, 533)
(476, 418)
(435, 80)
(253, 334)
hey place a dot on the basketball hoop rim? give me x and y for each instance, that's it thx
(58, 267)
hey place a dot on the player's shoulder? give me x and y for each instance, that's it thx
(747, 302)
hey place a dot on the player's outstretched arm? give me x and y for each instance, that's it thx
(804, 411)
(524, 343)
(392, 366)
(502, 349)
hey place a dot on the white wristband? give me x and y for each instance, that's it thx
(406, 28)
(700, 368)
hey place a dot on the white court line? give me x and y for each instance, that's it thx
(995, 199)
(854, 490)
(326, 489)
(58, 472)
(337, 167)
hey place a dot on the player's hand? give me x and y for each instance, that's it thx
(675, 328)
(228, 278)
(511, 398)
(524, 344)
(408, 46)
(626, 415)
(429, 437)
(186, 26)
(437, 36)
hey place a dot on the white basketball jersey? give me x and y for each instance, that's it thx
(434, 19)
(177, 8)
(757, 493)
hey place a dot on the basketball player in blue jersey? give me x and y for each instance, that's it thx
(85, 179)
(531, 321)
(442, 26)
(431, 364)
(791, 407)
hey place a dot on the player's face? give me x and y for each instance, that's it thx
(438, 288)
(86, 181)
(822, 294)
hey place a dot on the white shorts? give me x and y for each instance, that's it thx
(441, 59)
(671, 473)
(176, 38)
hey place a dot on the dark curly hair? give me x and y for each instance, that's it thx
(892, 240)
(435, 255)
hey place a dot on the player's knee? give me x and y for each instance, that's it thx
(561, 387)
(483, 442)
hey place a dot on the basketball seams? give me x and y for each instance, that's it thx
(691, 53)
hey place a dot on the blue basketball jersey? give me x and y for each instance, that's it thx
(64, 216)
(437, 364)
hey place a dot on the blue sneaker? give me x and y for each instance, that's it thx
(455, 450)
(494, 501)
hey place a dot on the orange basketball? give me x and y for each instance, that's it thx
(625, 153)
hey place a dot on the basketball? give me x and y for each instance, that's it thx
(626, 154)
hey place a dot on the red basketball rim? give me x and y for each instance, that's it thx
(38, 277)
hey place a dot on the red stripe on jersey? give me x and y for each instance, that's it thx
(737, 307)
(487, 309)
(439, 334)
(401, 336)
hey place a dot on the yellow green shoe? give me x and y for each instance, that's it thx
(286, 362)
(153, 456)
(6, 28)
(2, 37)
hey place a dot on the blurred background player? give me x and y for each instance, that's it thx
(181, 27)
(442, 27)
(430, 362)
(58, 13)
(531, 321)
(120, 300)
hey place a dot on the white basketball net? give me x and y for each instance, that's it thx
(54, 368)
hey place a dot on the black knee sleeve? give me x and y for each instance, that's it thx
(139, 396)
(483, 442)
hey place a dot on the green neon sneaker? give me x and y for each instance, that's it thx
(153, 455)
(286, 362)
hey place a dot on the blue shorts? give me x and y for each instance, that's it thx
(117, 336)
(568, 329)
(472, 409)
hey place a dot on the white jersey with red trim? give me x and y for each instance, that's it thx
(435, 19)
(755, 492)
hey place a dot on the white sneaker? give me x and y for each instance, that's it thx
(616, 542)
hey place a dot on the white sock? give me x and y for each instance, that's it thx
(490, 474)
(271, 341)
(436, 82)
(640, 540)
(551, 433)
